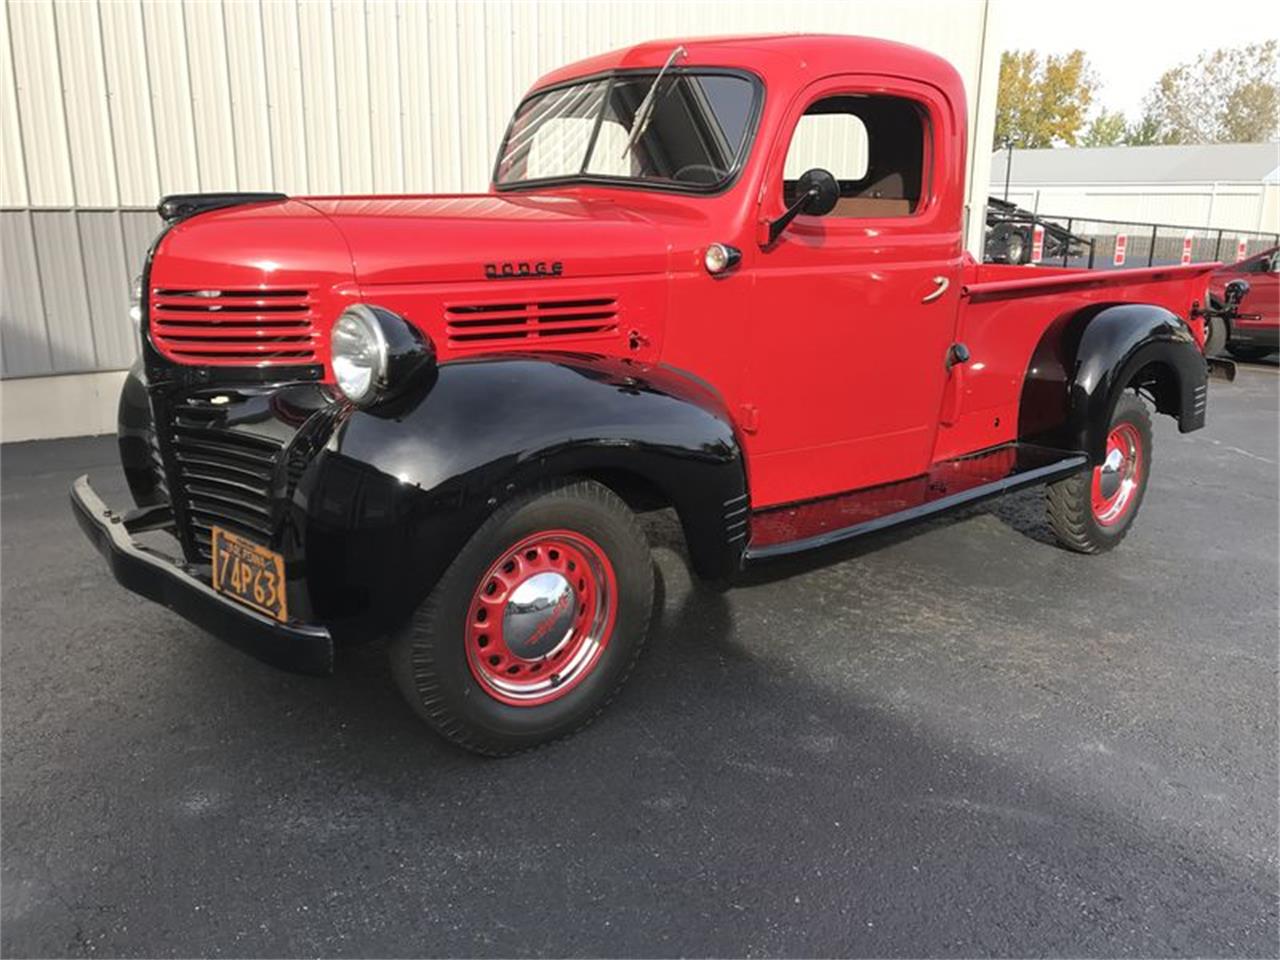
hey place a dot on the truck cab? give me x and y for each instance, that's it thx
(726, 276)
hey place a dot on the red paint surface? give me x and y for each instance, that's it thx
(1263, 297)
(820, 344)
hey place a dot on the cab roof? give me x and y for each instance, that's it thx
(796, 57)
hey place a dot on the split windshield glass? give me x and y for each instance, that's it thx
(695, 137)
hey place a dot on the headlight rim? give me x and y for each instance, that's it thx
(368, 318)
(405, 356)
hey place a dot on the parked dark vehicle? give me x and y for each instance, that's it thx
(1253, 331)
(1011, 236)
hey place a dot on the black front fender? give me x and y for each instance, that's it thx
(398, 490)
(1086, 359)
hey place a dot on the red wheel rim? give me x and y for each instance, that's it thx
(1117, 478)
(541, 617)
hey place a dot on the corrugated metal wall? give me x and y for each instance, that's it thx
(104, 106)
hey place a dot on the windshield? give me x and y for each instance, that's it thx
(694, 138)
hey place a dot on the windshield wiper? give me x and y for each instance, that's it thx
(643, 112)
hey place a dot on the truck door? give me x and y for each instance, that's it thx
(854, 312)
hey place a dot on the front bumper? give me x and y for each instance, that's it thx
(303, 648)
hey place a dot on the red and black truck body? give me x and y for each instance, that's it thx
(706, 337)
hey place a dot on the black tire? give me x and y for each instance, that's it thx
(1075, 518)
(1215, 336)
(1246, 351)
(1016, 249)
(434, 657)
(1007, 244)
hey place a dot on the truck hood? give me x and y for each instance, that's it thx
(443, 239)
(257, 245)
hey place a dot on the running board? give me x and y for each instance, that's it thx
(782, 531)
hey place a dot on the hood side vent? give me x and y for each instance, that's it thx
(234, 327)
(487, 324)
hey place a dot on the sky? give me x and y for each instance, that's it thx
(1130, 43)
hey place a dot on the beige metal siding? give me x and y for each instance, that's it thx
(107, 105)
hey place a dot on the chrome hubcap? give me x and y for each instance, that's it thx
(1117, 480)
(539, 616)
(1112, 473)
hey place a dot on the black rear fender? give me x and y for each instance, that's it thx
(399, 490)
(1086, 359)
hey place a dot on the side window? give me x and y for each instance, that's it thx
(875, 146)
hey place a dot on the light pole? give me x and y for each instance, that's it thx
(1008, 165)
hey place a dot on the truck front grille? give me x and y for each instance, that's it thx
(222, 327)
(222, 478)
(484, 324)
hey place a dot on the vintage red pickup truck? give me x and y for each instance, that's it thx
(726, 276)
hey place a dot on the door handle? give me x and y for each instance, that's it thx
(942, 283)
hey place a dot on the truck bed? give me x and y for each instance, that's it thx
(1004, 312)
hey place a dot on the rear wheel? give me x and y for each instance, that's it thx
(534, 626)
(1090, 512)
(1215, 336)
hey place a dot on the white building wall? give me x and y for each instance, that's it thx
(105, 106)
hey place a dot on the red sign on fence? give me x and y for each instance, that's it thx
(1242, 249)
(1186, 249)
(1037, 243)
(1122, 242)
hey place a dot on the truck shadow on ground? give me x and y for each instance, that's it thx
(730, 802)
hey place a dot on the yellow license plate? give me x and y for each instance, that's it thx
(251, 574)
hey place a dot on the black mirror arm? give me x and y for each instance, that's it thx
(777, 226)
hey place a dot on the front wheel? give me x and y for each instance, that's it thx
(534, 626)
(1090, 512)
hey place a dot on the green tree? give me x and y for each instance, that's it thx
(1042, 101)
(1228, 95)
(1107, 129)
(1143, 133)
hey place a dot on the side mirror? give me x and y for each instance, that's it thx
(1235, 292)
(817, 193)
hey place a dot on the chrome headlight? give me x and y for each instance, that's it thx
(376, 353)
(359, 352)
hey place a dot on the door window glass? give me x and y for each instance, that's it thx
(875, 147)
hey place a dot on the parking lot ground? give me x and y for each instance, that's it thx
(956, 740)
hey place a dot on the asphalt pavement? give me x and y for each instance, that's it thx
(957, 740)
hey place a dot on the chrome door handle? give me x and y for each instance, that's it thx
(942, 283)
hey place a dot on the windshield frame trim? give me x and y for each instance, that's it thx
(582, 178)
